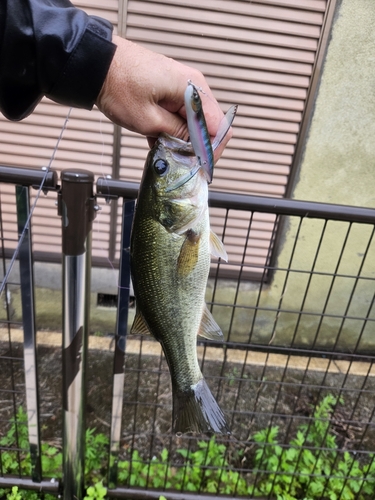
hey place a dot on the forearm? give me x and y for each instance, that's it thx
(53, 49)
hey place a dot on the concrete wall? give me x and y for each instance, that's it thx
(337, 166)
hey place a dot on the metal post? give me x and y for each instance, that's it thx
(77, 208)
(29, 330)
(121, 332)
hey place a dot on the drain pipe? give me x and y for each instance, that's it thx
(76, 206)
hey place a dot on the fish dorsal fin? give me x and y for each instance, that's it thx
(189, 252)
(217, 247)
(209, 329)
(139, 325)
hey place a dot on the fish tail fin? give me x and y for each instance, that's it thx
(196, 410)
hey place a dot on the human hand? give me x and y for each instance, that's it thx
(144, 92)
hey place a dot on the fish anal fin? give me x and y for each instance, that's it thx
(139, 325)
(217, 247)
(209, 329)
(189, 252)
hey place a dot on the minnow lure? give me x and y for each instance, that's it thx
(199, 136)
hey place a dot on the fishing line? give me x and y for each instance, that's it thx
(47, 169)
(97, 222)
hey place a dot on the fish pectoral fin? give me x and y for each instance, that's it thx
(209, 329)
(139, 325)
(217, 247)
(189, 252)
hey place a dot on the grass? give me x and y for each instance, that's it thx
(310, 466)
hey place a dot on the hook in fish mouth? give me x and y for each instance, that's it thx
(184, 179)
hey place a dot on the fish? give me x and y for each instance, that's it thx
(171, 243)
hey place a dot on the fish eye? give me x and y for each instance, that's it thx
(161, 166)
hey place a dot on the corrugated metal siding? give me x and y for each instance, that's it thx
(87, 143)
(258, 54)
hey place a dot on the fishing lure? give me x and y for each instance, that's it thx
(199, 136)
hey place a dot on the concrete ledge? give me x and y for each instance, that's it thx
(234, 356)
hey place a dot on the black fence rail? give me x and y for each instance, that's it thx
(295, 374)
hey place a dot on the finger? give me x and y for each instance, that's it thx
(172, 124)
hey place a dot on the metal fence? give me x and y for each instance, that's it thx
(294, 376)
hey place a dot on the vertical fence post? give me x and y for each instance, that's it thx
(121, 332)
(29, 330)
(77, 208)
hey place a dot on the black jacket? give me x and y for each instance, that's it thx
(49, 47)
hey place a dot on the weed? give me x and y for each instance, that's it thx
(309, 467)
(14, 495)
(98, 491)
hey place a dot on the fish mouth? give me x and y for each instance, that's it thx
(183, 179)
(181, 148)
(175, 145)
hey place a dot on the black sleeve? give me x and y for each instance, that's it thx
(49, 47)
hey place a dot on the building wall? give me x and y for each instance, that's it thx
(339, 156)
(337, 166)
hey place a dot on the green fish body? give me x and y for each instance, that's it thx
(170, 251)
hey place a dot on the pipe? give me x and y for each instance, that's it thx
(76, 205)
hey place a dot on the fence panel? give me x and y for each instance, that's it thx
(294, 375)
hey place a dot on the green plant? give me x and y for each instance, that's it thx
(311, 465)
(96, 455)
(96, 492)
(15, 461)
(18, 462)
(207, 470)
(14, 495)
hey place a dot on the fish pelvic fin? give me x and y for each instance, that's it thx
(139, 325)
(217, 247)
(196, 410)
(209, 329)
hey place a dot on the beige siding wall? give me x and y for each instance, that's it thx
(260, 55)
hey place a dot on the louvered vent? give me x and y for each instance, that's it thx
(259, 54)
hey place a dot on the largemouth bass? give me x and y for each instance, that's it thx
(170, 251)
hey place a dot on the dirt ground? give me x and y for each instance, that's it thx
(253, 397)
